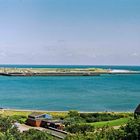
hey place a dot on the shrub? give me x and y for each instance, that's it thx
(5, 124)
(18, 118)
(132, 129)
(33, 134)
(73, 113)
(80, 128)
(97, 117)
(9, 132)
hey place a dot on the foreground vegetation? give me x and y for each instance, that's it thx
(9, 132)
(81, 126)
(94, 120)
(72, 117)
(131, 131)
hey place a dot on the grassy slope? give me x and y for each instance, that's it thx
(118, 122)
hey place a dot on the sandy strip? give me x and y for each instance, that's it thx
(32, 110)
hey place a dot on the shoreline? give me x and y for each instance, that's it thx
(52, 111)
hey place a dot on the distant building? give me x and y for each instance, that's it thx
(137, 111)
(36, 118)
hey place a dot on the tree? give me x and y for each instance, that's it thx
(9, 132)
(132, 129)
(73, 113)
(5, 124)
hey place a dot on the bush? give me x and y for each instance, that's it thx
(9, 132)
(18, 118)
(33, 134)
(80, 128)
(73, 113)
(5, 124)
(129, 132)
(97, 117)
(132, 129)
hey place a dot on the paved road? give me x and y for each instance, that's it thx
(58, 135)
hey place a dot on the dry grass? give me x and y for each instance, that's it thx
(26, 113)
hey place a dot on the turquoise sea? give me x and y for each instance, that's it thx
(84, 93)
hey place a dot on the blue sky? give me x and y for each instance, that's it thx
(92, 32)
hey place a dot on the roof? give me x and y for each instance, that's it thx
(36, 114)
(50, 120)
(39, 114)
(53, 121)
(47, 116)
(137, 110)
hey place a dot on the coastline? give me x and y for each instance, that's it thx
(52, 111)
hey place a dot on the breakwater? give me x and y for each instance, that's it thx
(50, 74)
(61, 72)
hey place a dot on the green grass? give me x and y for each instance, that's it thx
(118, 122)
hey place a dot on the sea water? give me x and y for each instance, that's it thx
(61, 93)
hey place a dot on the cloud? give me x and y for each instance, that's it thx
(3, 54)
(135, 54)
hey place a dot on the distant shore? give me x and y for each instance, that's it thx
(61, 71)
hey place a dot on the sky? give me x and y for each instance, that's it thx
(70, 32)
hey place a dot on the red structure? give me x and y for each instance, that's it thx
(33, 122)
(35, 119)
(53, 124)
(44, 120)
